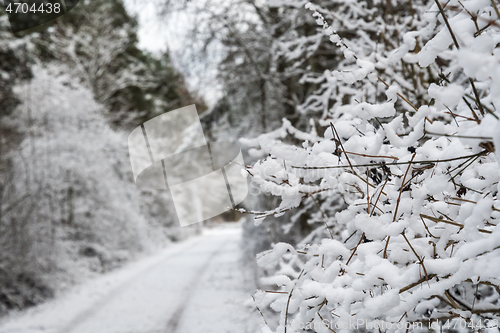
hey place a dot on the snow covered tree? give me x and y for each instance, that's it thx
(14, 65)
(68, 205)
(98, 40)
(406, 137)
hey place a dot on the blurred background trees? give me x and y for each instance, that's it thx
(70, 92)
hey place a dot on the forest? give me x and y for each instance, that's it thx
(368, 129)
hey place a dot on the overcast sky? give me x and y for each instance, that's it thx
(157, 34)
(152, 32)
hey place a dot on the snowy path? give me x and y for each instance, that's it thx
(192, 287)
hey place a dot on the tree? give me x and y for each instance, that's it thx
(243, 39)
(14, 66)
(68, 205)
(417, 170)
(99, 40)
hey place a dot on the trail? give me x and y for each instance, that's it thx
(192, 287)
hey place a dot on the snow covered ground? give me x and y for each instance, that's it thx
(195, 286)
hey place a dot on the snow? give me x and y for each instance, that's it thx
(403, 121)
(195, 286)
(450, 95)
(435, 226)
(272, 256)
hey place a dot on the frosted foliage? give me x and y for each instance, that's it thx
(407, 140)
(73, 173)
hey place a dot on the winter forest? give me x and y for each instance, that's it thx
(369, 131)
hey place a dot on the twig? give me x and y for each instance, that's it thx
(459, 136)
(478, 100)
(355, 231)
(288, 303)
(447, 24)
(355, 248)
(323, 321)
(495, 8)
(378, 197)
(452, 301)
(261, 314)
(401, 189)
(426, 228)
(341, 145)
(286, 311)
(275, 292)
(475, 296)
(401, 96)
(365, 155)
(368, 191)
(346, 156)
(414, 284)
(465, 167)
(397, 204)
(418, 257)
(461, 226)
(385, 247)
(484, 152)
(325, 217)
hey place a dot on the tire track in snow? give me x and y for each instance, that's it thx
(99, 305)
(175, 318)
(192, 287)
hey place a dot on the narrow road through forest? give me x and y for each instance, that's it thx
(197, 286)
